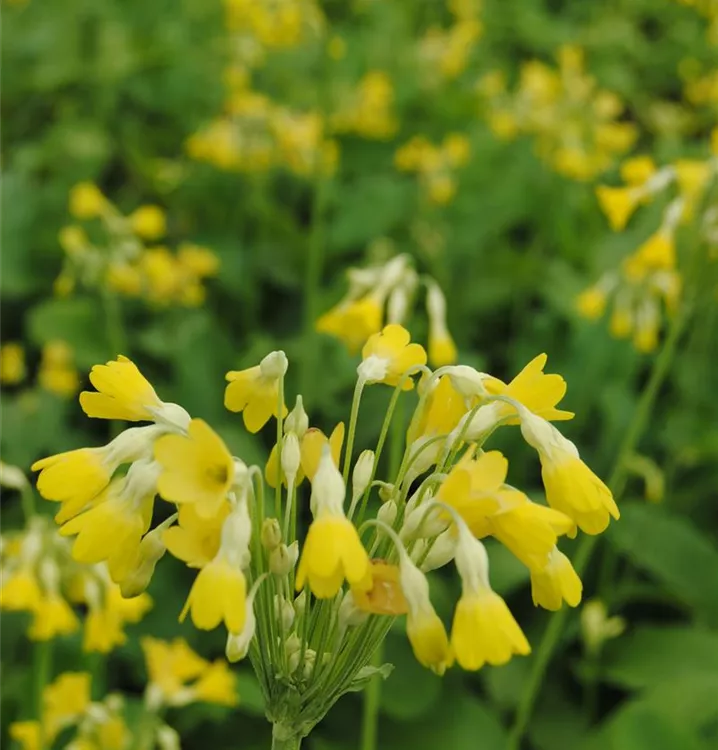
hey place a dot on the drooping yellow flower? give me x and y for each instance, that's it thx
(255, 391)
(571, 487)
(484, 630)
(170, 665)
(196, 539)
(57, 372)
(537, 391)
(443, 409)
(618, 203)
(20, 590)
(122, 393)
(555, 583)
(86, 201)
(658, 252)
(217, 595)
(65, 700)
(73, 240)
(196, 468)
(353, 322)
(217, 684)
(312, 447)
(638, 169)
(332, 550)
(52, 616)
(385, 597)
(12, 363)
(442, 349)
(388, 356)
(105, 621)
(148, 222)
(591, 303)
(27, 734)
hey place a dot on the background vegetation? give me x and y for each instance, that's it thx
(113, 92)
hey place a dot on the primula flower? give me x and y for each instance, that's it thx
(27, 734)
(424, 629)
(332, 550)
(170, 665)
(637, 170)
(20, 591)
(442, 349)
(618, 203)
(484, 630)
(217, 684)
(65, 700)
(86, 201)
(196, 468)
(312, 447)
(353, 322)
(571, 487)
(385, 597)
(255, 391)
(388, 356)
(196, 539)
(12, 363)
(148, 222)
(591, 303)
(52, 616)
(555, 583)
(105, 621)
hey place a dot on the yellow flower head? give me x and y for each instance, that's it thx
(196, 539)
(122, 393)
(637, 170)
(73, 240)
(388, 356)
(332, 550)
(105, 621)
(57, 372)
(52, 616)
(443, 409)
(385, 597)
(170, 665)
(658, 252)
(571, 487)
(442, 349)
(65, 700)
(555, 583)
(618, 203)
(591, 303)
(217, 595)
(484, 630)
(197, 468)
(86, 201)
(352, 322)
(533, 388)
(217, 684)
(20, 591)
(312, 447)
(148, 222)
(199, 260)
(27, 734)
(12, 364)
(255, 391)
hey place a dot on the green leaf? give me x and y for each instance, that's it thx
(669, 547)
(365, 675)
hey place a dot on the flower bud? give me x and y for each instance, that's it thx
(387, 492)
(236, 535)
(297, 420)
(284, 612)
(12, 477)
(167, 738)
(388, 512)
(467, 381)
(310, 658)
(361, 476)
(328, 488)
(293, 650)
(274, 365)
(291, 457)
(283, 559)
(271, 535)
(350, 616)
(149, 553)
(442, 551)
(300, 603)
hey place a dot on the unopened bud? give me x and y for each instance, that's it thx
(283, 559)
(150, 551)
(236, 535)
(362, 474)
(467, 381)
(293, 650)
(274, 365)
(238, 644)
(291, 457)
(167, 738)
(300, 603)
(310, 658)
(297, 420)
(284, 612)
(388, 512)
(12, 477)
(350, 616)
(441, 552)
(328, 488)
(271, 535)
(387, 492)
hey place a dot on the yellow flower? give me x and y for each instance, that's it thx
(332, 550)
(57, 372)
(621, 322)
(122, 393)
(171, 664)
(312, 447)
(658, 252)
(148, 222)
(555, 583)
(385, 597)
(388, 355)
(104, 624)
(443, 409)
(352, 322)
(618, 203)
(27, 734)
(442, 349)
(12, 363)
(196, 469)
(571, 487)
(692, 176)
(73, 240)
(637, 170)
(86, 201)
(52, 616)
(112, 528)
(20, 591)
(533, 388)
(255, 391)
(217, 684)
(65, 700)
(196, 539)
(199, 260)
(591, 303)
(217, 595)
(484, 630)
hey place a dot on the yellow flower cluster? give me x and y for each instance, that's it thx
(12, 363)
(392, 284)
(575, 123)
(39, 576)
(368, 109)
(122, 261)
(177, 676)
(650, 276)
(256, 134)
(448, 494)
(435, 165)
(443, 54)
(57, 372)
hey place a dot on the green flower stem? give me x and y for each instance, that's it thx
(284, 739)
(356, 400)
(616, 483)
(27, 501)
(280, 425)
(42, 669)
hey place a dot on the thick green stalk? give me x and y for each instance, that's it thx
(585, 549)
(284, 739)
(356, 400)
(42, 669)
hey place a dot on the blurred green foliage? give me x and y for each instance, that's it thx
(110, 92)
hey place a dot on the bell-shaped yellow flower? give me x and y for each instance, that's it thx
(618, 203)
(387, 356)
(385, 597)
(27, 734)
(255, 391)
(195, 540)
(52, 616)
(106, 619)
(122, 393)
(170, 665)
(352, 322)
(638, 169)
(217, 595)
(20, 591)
(65, 700)
(591, 303)
(197, 469)
(555, 583)
(86, 201)
(149, 222)
(217, 684)
(312, 446)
